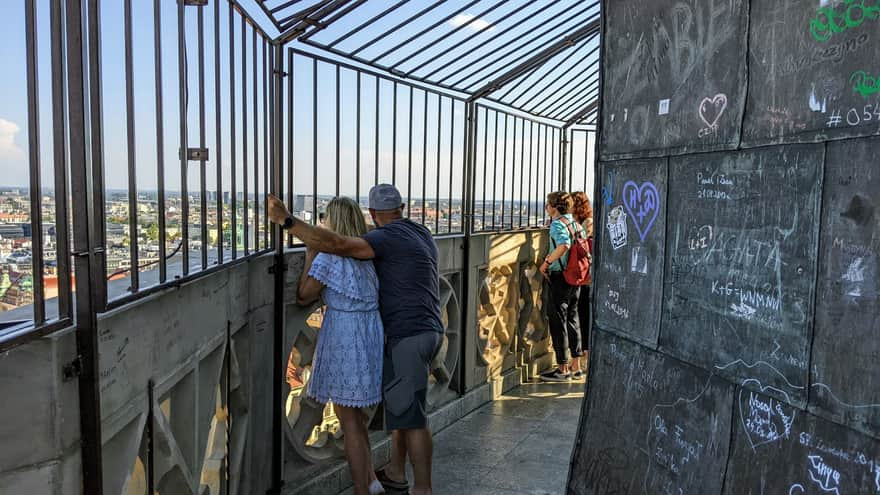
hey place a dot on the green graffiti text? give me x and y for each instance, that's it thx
(845, 15)
(865, 84)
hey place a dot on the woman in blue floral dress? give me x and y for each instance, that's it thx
(347, 366)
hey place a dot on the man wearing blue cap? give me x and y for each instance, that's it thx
(405, 257)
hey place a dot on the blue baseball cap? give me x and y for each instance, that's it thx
(385, 197)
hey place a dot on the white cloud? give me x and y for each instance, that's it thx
(477, 25)
(8, 149)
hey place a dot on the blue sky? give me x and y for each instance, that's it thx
(13, 99)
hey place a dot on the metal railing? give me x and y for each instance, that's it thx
(178, 197)
(348, 128)
(517, 162)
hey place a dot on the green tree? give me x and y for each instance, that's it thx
(152, 232)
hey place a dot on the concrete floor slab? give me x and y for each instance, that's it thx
(520, 444)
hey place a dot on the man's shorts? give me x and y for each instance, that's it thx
(405, 379)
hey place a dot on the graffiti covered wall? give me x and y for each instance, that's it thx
(738, 341)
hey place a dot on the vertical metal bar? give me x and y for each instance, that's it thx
(85, 235)
(35, 189)
(96, 128)
(570, 159)
(394, 135)
(314, 141)
(266, 138)
(495, 170)
(160, 138)
(376, 149)
(586, 157)
(151, 457)
(291, 196)
(132, 152)
(556, 172)
(59, 148)
(275, 106)
(203, 179)
(504, 170)
(544, 189)
(522, 166)
(513, 172)
(256, 138)
(437, 194)
(337, 130)
(184, 97)
(467, 163)
(218, 153)
(233, 200)
(184, 104)
(531, 159)
(409, 144)
(424, 157)
(357, 141)
(485, 163)
(451, 165)
(245, 219)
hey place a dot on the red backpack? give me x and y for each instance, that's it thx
(580, 257)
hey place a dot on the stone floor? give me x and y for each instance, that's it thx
(518, 445)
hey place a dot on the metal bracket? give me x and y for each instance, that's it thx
(195, 154)
(195, 3)
(71, 370)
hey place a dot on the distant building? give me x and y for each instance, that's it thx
(12, 231)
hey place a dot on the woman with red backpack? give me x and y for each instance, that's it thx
(563, 269)
(583, 214)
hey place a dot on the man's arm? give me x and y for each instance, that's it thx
(321, 240)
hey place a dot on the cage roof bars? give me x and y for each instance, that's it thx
(544, 55)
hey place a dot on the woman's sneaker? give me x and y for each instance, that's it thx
(577, 375)
(554, 376)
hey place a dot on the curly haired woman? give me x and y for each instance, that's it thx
(583, 214)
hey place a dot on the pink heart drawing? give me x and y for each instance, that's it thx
(712, 108)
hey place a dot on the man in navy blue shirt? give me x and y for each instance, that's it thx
(405, 257)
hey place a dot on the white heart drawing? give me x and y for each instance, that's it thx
(718, 104)
(786, 427)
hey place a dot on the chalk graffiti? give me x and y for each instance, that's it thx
(764, 419)
(754, 298)
(701, 238)
(608, 191)
(826, 477)
(815, 104)
(613, 304)
(854, 116)
(643, 205)
(831, 53)
(854, 277)
(605, 472)
(617, 227)
(639, 261)
(710, 112)
(864, 84)
(830, 21)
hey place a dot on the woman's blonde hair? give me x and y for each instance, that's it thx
(344, 217)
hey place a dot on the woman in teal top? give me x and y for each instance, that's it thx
(563, 311)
